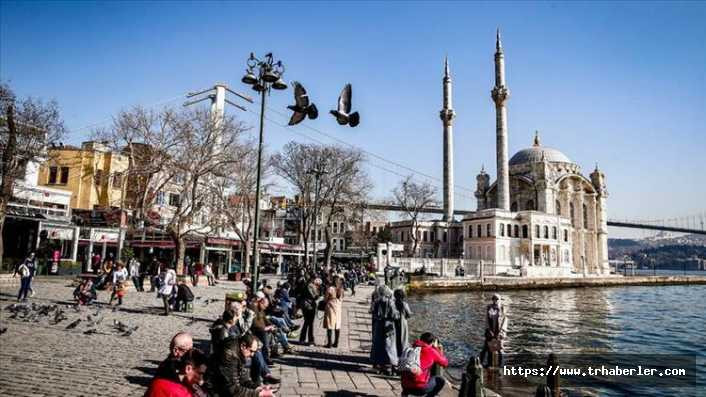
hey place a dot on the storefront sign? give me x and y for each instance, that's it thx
(107, 236)
(59, 232)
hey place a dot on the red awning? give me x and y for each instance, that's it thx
(223, 241)
(160, 244)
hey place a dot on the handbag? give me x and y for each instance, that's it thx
(321, 305)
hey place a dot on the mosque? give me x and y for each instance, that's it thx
(540, 217)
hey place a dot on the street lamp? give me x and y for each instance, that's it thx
(317, 172)
(262, 75)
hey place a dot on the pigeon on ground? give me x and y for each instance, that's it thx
(3, 330)
(90, 331)
(73, 324)
(120, 326)
(59, 316)
(343, 113)
(130, 331)
(302, 106)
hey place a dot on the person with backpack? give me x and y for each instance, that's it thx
(416, 364)
(26, 277)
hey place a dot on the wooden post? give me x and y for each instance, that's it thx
(553, 376)
(472, 379)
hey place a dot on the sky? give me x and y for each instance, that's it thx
(621, 85)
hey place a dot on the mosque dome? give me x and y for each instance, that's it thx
(538, 152)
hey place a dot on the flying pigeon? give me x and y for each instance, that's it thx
(74, 324)
(343, 113)
(302, 107)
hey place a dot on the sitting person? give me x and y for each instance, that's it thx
(85, 293)
(180, 344)
(221, 329)
(422, 383)
(190, 369)
(227, 374)
(183, 296)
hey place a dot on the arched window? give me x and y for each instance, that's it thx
(558, 207)
(571, 213)
(546, 231)
(525, 231)
(566, 235)
(470, 231)
(585, 216)
(487, 230)
(554, 236)
(536, 231)
(517, 231)
(513, 206)
(479, 230)
(502, 230)
(530, 205)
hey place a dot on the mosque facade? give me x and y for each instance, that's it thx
(539, 217)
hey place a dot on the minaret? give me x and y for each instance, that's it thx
(447, 115)
(500, 94)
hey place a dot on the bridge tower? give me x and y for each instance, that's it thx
(447, 115)
(598, 181)
(500, 95)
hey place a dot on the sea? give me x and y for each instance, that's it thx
(625, 326)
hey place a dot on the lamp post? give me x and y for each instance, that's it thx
(318, 171)
(263, 75)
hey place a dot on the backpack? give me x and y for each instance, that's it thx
(410, 361)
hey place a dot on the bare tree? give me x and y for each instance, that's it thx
(27, 126)
(412, 197)
(179, 154)
(235, 194)
(342, 188)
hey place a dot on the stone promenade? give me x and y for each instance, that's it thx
(39, 358)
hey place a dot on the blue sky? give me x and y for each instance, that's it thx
(621, 84)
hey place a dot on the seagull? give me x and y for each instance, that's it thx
(343, 113)
(74, 324)
(302, 107)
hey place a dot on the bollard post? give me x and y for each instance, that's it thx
(553, 377)
(543, 391)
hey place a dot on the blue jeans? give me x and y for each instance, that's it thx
(258, 367)
(433, 387)
(24, 287)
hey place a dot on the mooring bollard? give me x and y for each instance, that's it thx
(553, 377)
(543, 391)
(472, 380)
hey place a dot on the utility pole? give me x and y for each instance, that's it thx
(318, 171)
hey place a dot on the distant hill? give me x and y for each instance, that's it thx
(667, 252)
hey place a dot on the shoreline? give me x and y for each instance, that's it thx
(425, 284)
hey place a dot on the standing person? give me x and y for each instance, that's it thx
(495, 332)
(422, 383)
(401, 328)
(136, 275)
(95, 262)
(310, 295)
(167, 286)
(384, 350)
(332, 315)
(208, 271)
(120, 276)
(190, 370)
(25, 278)
(31, 262)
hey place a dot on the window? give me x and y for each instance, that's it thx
(318, 235)
(546, 231)
(445, 237)
(335, 227)
(536, 231)
(571, 213)
(558, 207)
(585, 216)
(402, 236)
(525, 231)
(502, 230)
(160, 198)
(566, 235)
(479, 231)
(118, 180)
(433, 236)
(487, 230)
(517, 231)
(513, 206)
(470, 231)
(52, 175)
(64, 175)
(173, 199)
(554, 236)
(530, 205)
(426, 235)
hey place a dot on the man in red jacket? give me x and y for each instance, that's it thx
(422, 383)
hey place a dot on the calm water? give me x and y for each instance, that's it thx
(631, 319)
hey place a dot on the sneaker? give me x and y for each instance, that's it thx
(270, 379)
(31, 293)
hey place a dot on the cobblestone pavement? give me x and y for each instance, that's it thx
(42, 359)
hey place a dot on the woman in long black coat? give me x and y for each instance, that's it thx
(384, 350)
